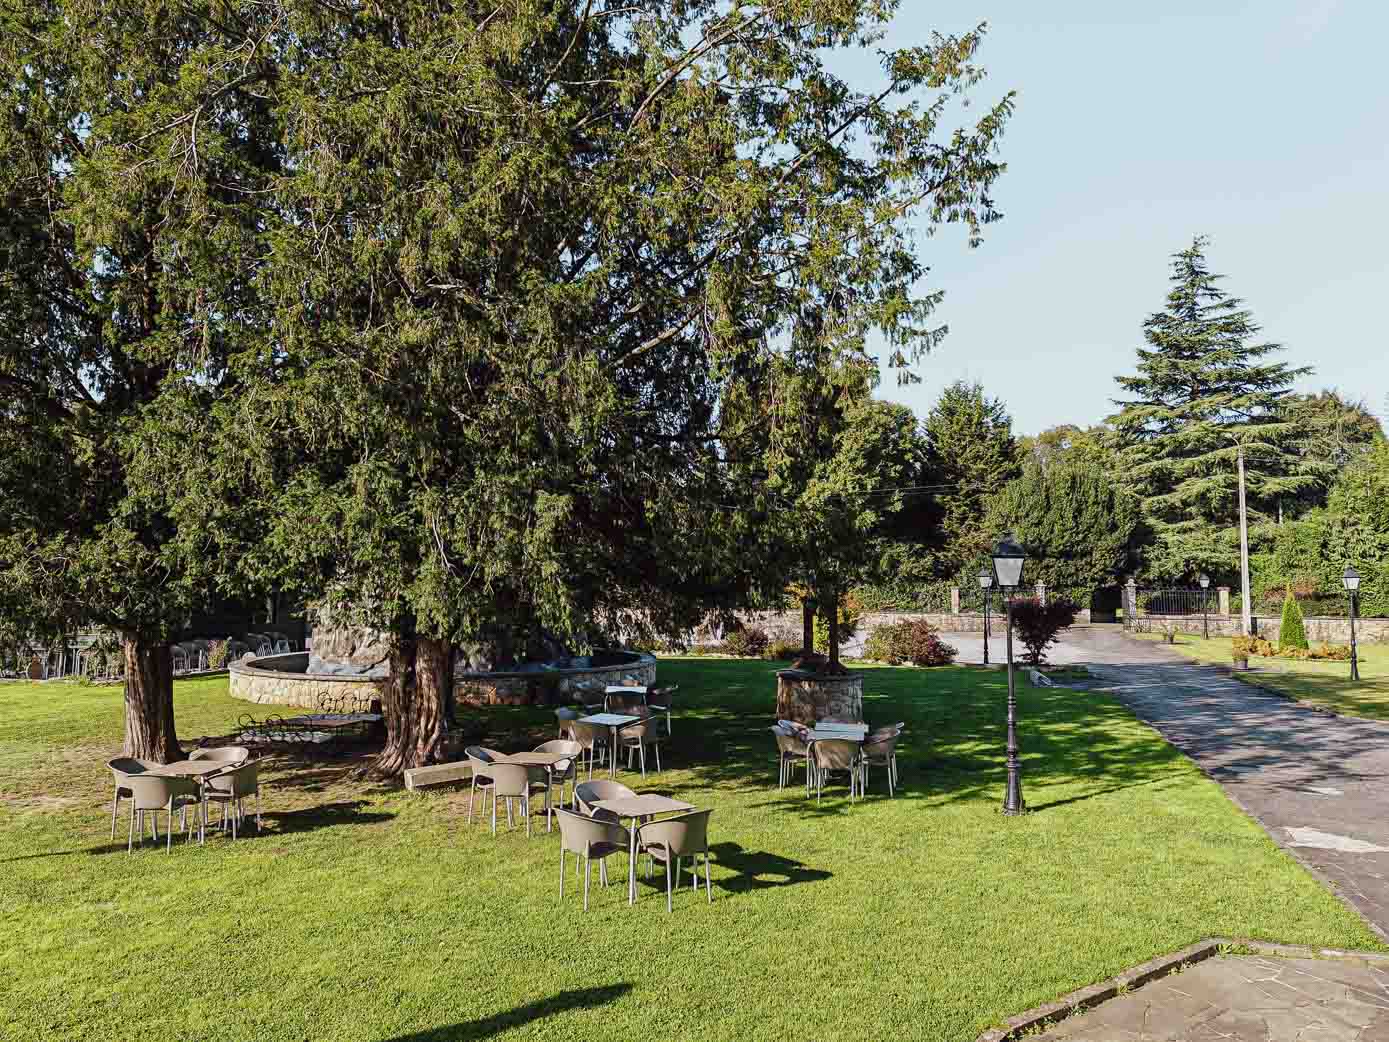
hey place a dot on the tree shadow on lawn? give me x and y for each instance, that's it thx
(952, 747)
(487, 1027)
(307, 819)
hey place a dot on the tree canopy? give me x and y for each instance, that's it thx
(1204, 390)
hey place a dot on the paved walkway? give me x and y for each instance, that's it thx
(1245, 998)
(1317, 783)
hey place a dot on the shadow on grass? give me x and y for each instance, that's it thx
(761, 870)
(488, 1027)
(1076, 745)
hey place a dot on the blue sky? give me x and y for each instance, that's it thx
(1262, 125)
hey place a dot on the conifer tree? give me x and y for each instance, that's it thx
(973, 455)
(1204, 387)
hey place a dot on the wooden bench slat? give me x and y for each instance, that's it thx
(437, 774)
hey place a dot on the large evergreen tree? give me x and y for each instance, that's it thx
(1205, 389)
(1077, 523)
(138, 143)
(973, 455)
(536, 273)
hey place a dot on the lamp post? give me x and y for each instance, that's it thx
(986, 580)
(1008, 557)
(1351, 581)
(1205, 581)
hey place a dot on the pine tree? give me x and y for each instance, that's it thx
(1291, 632)
(1204, 389)
(973, 455)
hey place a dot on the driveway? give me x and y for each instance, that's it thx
(1317, 783)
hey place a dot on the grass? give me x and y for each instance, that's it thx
(366, 913)
(1318, 682)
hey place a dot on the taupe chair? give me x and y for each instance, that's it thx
(588, 793)
(564, 770)
(480, 763)
(512, 781)
(229, 789)
(593, 739)
(880, 750)
(671, 839)
(222, 754)
(565, 716)
(790, 751)
(636, 737)
(152, 793)
(121, 768)
(662, 700)
(835, 754)
(588, 838)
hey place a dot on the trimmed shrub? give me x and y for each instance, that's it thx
(1291, 632)
(749, 642)
(912, 640)
(217, 654)
(1038, 625)
(784, 650)
(1334, 652)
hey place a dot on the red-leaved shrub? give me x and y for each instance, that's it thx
(1037, 625)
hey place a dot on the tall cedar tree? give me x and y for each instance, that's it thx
(134, 141)
(1332, 433)
(973, 456)
(1203, 388)
(533, 269)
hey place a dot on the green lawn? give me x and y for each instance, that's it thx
(1321, 683)
(365, 913)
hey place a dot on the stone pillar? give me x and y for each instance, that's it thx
(954, 600)
(1042, 594)
(1130, 604)
(808, 697)
(1223, 592)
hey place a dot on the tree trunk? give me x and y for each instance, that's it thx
(149, 701)
(808, 625)
(834, 631)
(413, 704)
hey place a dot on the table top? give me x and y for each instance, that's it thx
(642, 804)
(835, 725)
(818, 735)
(608, 719)
(535, 759)
(619, 689)
(191, 768)
(335, 719)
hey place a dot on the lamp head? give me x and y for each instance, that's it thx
(1351, 579)
(1008, 557)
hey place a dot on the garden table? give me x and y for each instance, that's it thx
(547, 761)
(614, 722)
(641, 807)
(197, 770)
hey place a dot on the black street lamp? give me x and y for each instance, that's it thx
(1351, 581)
(1205, 581)
(986, 580)
(1008, 557)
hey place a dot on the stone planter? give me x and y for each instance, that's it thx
(807, 697)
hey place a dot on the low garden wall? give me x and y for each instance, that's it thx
(283, 680)
(1320, 628)
(553, 686)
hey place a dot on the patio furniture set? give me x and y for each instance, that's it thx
(833, 746)
(224, 776)
(590, 821)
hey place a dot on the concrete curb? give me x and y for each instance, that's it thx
(1050, 1013)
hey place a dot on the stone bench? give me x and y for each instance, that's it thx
(437, 774)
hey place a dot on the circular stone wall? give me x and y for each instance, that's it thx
(808, 697)
(554, 686)
(283, 680)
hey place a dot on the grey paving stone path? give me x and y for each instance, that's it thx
(1245, 998)
(1317, 783)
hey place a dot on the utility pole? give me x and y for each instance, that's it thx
(1243, 549)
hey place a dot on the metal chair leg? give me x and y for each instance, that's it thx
(657, 747)
(130, 833)
(561, 873)
(708, 886)
(588, 878)
(668, 904)
(115, 805)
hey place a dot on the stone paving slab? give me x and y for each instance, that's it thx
(1245, 998)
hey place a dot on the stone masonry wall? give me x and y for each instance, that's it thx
(806, 698)
(287, 687)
